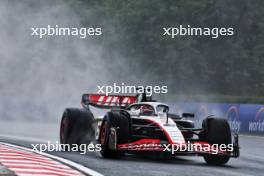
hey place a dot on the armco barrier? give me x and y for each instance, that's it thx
(243, 118)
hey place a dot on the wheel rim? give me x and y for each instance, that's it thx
(103, 133)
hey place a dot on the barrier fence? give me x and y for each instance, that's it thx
(243, 118)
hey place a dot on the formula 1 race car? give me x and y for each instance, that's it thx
(139, 125)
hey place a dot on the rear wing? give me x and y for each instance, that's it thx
(108, 101)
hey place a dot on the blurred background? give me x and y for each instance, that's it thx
(40, 77)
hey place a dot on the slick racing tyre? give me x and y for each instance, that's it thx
(120, 121)
(76, 126)
(216, 131)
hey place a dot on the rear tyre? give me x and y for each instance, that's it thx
(216, 131)
(120, 121)
(76, 126)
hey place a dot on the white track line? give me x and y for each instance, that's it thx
(32, 139)
(63, 160)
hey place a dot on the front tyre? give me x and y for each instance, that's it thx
(116, 120)
(216, 131)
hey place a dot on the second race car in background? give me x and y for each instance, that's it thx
(139, 125)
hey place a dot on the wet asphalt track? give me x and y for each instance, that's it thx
(250, 163)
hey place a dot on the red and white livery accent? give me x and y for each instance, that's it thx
(108, 101)
(25, 163)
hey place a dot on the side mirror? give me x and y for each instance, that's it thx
(188, 115)
(162, 114)
(135, 113)
(164, 117)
